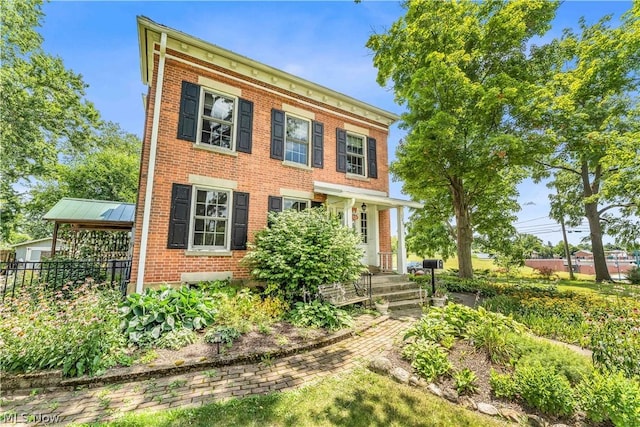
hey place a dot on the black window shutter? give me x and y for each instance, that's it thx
(240, 220)
(189, 104)
(245, 126)
(318, 145)
(179, 217)
(341, 150)
(275, 204)
(315, 204)
(371, 158)
(277, 134)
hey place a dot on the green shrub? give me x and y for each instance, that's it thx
(145, 317)
(465, 381)
(301, 250)
(176, 339)
(243, 308)
(429, 359)
(544, 389)
(615, 342)
(633, 275)
(226, 334)
(502, 385)
(44, 330)
(610, 396)
(433, 330)
(320, 315)
(554, 357)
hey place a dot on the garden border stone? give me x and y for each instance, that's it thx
(53, 380)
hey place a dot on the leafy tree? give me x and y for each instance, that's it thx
(44, 115)
(588, 108)
(109, 171)
(301, 250)
(460, 68)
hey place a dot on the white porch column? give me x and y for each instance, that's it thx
(402, 250)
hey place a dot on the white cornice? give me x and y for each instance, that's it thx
(149, 33)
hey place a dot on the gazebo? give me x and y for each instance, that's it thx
(94, 216)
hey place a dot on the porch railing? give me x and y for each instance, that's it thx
(57, 273)
(386, 261)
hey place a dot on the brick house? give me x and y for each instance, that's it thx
(227, 139)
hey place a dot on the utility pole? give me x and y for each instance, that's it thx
(567, 252)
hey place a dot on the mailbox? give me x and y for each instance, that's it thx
(432, 263)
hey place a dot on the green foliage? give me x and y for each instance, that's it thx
(319, 315)
(555, 358)
(610, 396)
(76, 332)
(461, 71)
(465, 381)
(176, 339)
(301, 250)
(146, 316)
(502, 385)
(242, 308)
(544, 389)
(69, 272)
(615, 343)
(633, 275)
(586, 103)
(43, 111)
(428, 358)
(226, 334)
(433, 330)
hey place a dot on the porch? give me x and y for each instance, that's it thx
(361, 210)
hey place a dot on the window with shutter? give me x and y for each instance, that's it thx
(214, 119)
(179, 217)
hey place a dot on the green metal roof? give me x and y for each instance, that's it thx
(91, 211)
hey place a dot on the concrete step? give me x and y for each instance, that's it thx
(404, 305)
(388, 278)
(398, 295)
(392, 287)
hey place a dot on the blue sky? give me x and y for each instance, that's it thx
(320, 41)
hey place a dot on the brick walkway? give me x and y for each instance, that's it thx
(197, 388)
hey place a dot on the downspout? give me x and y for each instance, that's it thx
(146, 216)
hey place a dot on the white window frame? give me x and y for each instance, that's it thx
(294, 200)
(364, 154)
(309, 136)
(192, 223)
(201, 117)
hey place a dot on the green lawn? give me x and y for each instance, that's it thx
(361, 398)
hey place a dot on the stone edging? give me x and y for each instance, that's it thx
(52, 380)
(383, 366)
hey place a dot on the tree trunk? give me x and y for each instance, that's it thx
(464, 232)
(595, 232)
(592, 215)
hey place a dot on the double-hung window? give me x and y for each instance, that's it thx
(356, 155)
(210, 229)
(297, 140)
(217, 119)
(295, 204)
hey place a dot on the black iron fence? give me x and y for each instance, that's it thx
(57, 273)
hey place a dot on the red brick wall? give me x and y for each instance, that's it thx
(255, 173)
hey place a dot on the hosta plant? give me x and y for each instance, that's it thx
(145, 317)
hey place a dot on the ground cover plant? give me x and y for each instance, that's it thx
(360, 398)
(77, 332)
(542, 376)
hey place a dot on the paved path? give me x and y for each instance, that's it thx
(197, 388)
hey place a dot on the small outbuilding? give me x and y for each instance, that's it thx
(35, 250)
(92, 228)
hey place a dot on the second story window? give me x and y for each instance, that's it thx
(355, 155)
(297, 140)
(217, 120)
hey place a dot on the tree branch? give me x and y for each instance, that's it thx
(621, 205)
(550, 166)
